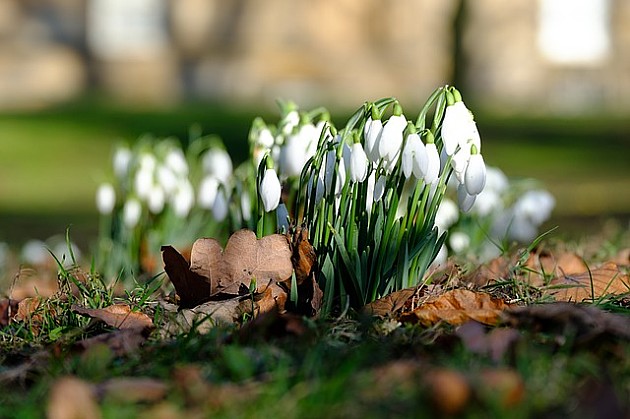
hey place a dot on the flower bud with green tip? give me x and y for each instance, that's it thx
(458, 125)
(390, 144)
(372, 134)
(270, 188)
(475, 178)
(358, 161)
(433, 159)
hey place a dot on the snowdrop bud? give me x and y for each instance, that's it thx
(246, 206)
(176, 161)
(358, 163)
(447, 214)
(282, 218)
(433, 160)
(121, 161)
(290, 121)
(464, 199)
(392, 136)
(270, 190)
(183, 199)
(132, 210)
(208, 192)
(217, 162)
(459, 241)
(220, 206)
(167, 179)
(379, 188)
(105, 198)
(265, 138)
(156, 199)
(143, 181)
(372, 134)
(475, 178)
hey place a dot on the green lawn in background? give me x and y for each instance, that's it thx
(51, 161)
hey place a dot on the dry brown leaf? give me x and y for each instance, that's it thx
(27, 310)
(587, 286)
(390, 304)
(72, 398)
(449, 389)
(587, 322)
(118, 315)
(120, 342)
(457, 307)
(132, 390)
(303, 255)
(192, 288)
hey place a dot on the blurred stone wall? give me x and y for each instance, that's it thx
(331, 52)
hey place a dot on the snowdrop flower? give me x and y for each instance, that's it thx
(143, 181)
(265, 138)
(495, 180)
(105, 198)
(535, 205)
(121, 161)
(270, 189)
(217, 162)
(433, 160)
(132, 210)
(379, 187)
(220, 206)
(298, 148)
(372, 134)
(458, 127)
(208, 192)
(391, 140)
(358, 163)
(183, 199)
(459, 241)
(166, 178)
(290, 121)
(156, 199)
(414, 157)
(176, 161)
(487, 202)
(464, 199)
(459, 163)
(34, 252)
(475, 177)
(282, 218)
(447, 214)
(246, 206)
(369, 199)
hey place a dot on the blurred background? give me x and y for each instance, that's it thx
(548, 80)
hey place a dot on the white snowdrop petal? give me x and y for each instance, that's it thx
(475, 177)
(358, 163)
(270, 190)
(105, 198)
(464, 199)
(433, 164)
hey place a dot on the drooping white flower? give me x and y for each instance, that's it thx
(132, 210)
(414, 158)
(488, 201)
(183, 199)
(358, 163)
(265, 138)
(372, 134)
(246, 206)
(433, 164)
(379, 187)
(459, 162)
(156, 199)
(105, 198)
(220, 206)
(121, 161)
(143, 181)
(535, 205)
(464, 199)
(217, 162)
(446, 215)
(459, 241)
(495, 180)
(176, 161)
(208, 192)
(298, 148)
(475, 177)
(34, 252)
(166, 178)
(270, 190)
(290, 121)
(390, 143)
(458, 127)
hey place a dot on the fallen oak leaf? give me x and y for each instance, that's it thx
(590, 285)
(191, 287)
(117, 315)
(457, 307)
(390, 304)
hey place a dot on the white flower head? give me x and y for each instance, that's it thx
(475, 177)
(121, 161)
(208, 192)
(270, 190)
(220, 206)
(143, 181)
(459, 241)
(217, 162)
(379, 187)
(390, 143)
(132, 211)
(415, 159)
(464, 199)
(290, 121)
(433, 164)
(176, 161)
(105, 198)
(183, 199)
(446, 215)
(372, 134)
(156, 199)
(358, 163)
(265, 138)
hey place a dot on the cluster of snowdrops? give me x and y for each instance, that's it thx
(382, 198)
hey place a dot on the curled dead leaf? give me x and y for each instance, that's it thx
(118, 315)
(457, 307)
(390, 304)
(590, 285)
(71, 397)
